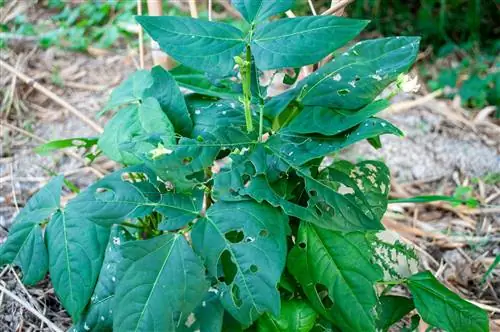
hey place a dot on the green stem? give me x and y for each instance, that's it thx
(392, 282)
(261, 122)
(246, 73)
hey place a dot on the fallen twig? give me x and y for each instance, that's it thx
(28, 307)
(52, 96)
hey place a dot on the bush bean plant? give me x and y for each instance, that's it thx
(227, 215)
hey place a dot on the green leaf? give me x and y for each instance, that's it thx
(442, 308)
(298, 149)
(99, 313)
(166, 91)
(247, 241)
(179, 209)
(76, 248)
(163, 280)
(356, 77)
(326, 121)
(128, 193)
(129, 91)
(183, 166)
(202, 45)
(336, 274)
(200, 82)
(295, 316)
(258, 10)
(78, 142)
(207, 317)
(296, 42)
(132, 122)
(391, 309)
(24, 246)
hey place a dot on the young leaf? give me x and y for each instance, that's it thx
(200, 82)
(326, 121)
(336, 274)
(295, 316)
(258, 10)
(24, 246)
(163, 281)
(248, 241)
(202, 45)
(78, 142)
(442, 308)
(391, 309)
(296, 42)
(76, 248)
(99, 313)
(355, 78)
(132, 122)
(171, 99)
(129, 91)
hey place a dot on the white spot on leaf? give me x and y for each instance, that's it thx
(337, 77)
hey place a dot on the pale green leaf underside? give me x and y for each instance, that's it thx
(163, 280)
(144, 119)
(296, 42)
(203, 45)
(336, 266)
(166, 91)
(442, 308)
(259, 256)
(356, 77)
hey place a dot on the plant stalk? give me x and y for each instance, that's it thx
(246, 76)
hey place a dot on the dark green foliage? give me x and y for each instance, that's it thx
(228, 216)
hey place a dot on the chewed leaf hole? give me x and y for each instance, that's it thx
(254, 268)
(187, 160)
(302, 245)
(134, 177)
(229, 269)
(313, 193)
(104, 194)
(235, 294)
(263, 233)
(234, 236)
(322, 292)
(343, 92)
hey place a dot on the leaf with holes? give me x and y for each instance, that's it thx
(24, 246)
(202, 45)
(254, 11)
(356, 77)
(296, 42)
(163, 281)
(135, 121)
(125, 194)
(206, 317)
(77, 142)
(442, 308)
(99, 313)
(336, 274)
(76, 249)
(295, 316)
(247, 241)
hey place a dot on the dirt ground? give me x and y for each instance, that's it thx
(445, 147)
